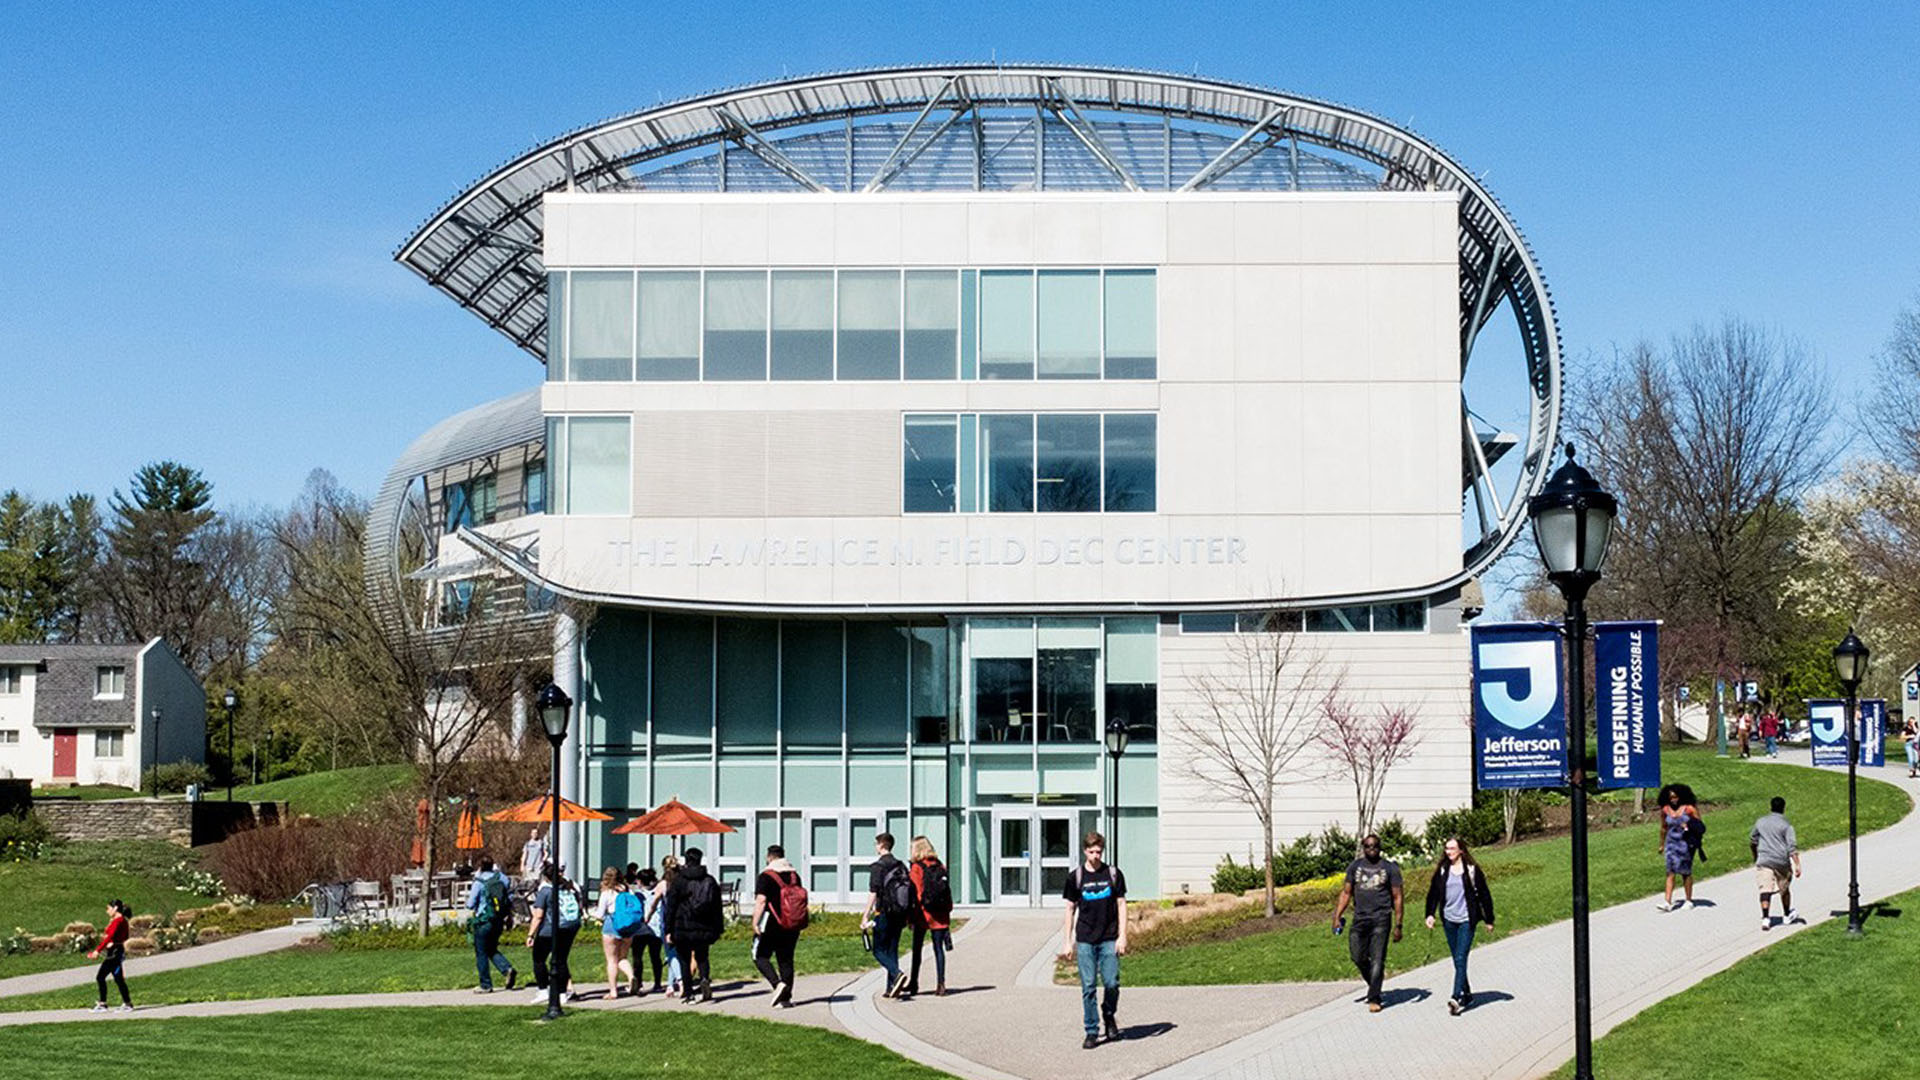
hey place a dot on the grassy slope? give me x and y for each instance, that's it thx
(354, 1044)
(1532, 879)
(86, 792)
(322, 969)
(324, 794)
(1793, 995)
(75, 881)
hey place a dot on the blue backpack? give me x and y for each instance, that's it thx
(629, 915)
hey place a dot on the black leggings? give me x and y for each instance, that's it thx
(111, 964)
(651, 944)
(696, 969)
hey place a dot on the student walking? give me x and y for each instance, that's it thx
(614, 909)
(533, 854)
(644, 886)
(780, 912)
(1910, 735)
(1770, 732)
(698, 922)
(1095, 935)
(1459, 895)
(663, 912)
(112, 954)
(492, 914)
(933, 914)
(1375, 890)
(1776, 861)
(890, 904)
(1744, 727)
(1677, 815)
(556, 922)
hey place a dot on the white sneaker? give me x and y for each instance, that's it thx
(1681, 904)
(125, 1008)
(99, 1006)
(1791, 917)
(566, 996)
(539, 998)
(1663, 906)
(774, 1001)
(1766, 923)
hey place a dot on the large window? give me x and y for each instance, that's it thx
(1063, 680)
(1404, 616)
(592, 464)
(1020, 462)
(852, 324)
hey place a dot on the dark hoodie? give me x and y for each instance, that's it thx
(694, 901)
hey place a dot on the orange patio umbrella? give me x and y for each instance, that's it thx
(467, 833)
(541, 809)
(674, 818)
(423, 818)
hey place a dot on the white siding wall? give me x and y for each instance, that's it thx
(1427, 672)
(32, 756)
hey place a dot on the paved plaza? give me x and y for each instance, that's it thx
(1004, 1018)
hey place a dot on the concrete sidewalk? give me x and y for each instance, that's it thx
(254, 944)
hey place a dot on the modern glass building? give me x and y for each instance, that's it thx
(909, 431)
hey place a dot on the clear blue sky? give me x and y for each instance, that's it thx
(199, 204)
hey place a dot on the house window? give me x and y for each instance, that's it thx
(109, 744)
(9, 680)
(110, 682)
(9, 737)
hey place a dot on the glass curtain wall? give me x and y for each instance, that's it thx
(803, 324)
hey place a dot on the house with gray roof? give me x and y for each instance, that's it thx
(97, 714)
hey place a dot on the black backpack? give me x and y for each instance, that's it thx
(896, 889)
(936, 893)
(703, 901)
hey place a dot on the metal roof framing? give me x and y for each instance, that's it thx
(483, 248)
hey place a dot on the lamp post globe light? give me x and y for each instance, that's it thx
(1572, 524)
(1116, 745)
(1850, 663)
(231, 702)
(556, 709)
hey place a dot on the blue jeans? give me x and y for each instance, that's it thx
(486, 950)
(886, 944)
(1459, 941)
(1102, 957)
(1771, 751)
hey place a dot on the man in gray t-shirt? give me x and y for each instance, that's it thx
(1373, 887)
(1776, 862)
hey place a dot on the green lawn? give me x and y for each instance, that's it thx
(1736, 1024)
(74, 881)
(394, 1043)
(326, 794)
(1532, 879)
(86, 792)
(447, 964)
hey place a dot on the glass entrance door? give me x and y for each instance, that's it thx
(1033, 852)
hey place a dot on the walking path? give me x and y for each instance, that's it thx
(254, 944)
(1004, 1018)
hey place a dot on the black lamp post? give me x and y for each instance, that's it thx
(1572, 522)
(556, 709)
(1850, 663)
(155, 715)
(231, 700)
(1116, 746)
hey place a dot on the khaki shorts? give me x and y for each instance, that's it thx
(1773, 880)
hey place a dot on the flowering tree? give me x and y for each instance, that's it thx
(1364, 744)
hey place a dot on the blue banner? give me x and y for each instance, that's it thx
(1519, 714)
(1827, 723)
(1626, 697)
(1873, 733)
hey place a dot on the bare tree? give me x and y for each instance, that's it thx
(434, 686)
(1252, 717)
(1711, 445)
(1363, 744)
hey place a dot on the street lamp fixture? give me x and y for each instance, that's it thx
(1117, 738)
(1850, 663)
(556, 710)
(156, 751)
(231, 702)
(1572, 524)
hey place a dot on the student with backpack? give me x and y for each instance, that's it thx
(557, 909)
(693, 903)
(492, 914)
(620, 915)
(643, 885)
(112, 953)
(890, 906)
(933, 914)
(1094, 935)
(779, 914)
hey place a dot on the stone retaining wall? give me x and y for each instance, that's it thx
(188, 824)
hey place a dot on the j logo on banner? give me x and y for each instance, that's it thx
(1627, 703)
(1519, 717)
(1827, 723)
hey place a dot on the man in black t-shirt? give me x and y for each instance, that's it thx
(1373, 887)
(888, 909)
(773, 939)
(1094, 934)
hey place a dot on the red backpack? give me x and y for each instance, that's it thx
(791, 912)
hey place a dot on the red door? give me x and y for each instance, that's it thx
(66, 753)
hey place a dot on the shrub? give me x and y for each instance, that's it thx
(1399, 843)
(174, 777)
(275, 862)
(24, 836)
(1483, 823)
(1307, 858)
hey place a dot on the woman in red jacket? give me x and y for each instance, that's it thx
(934, 915)
(113, 953)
